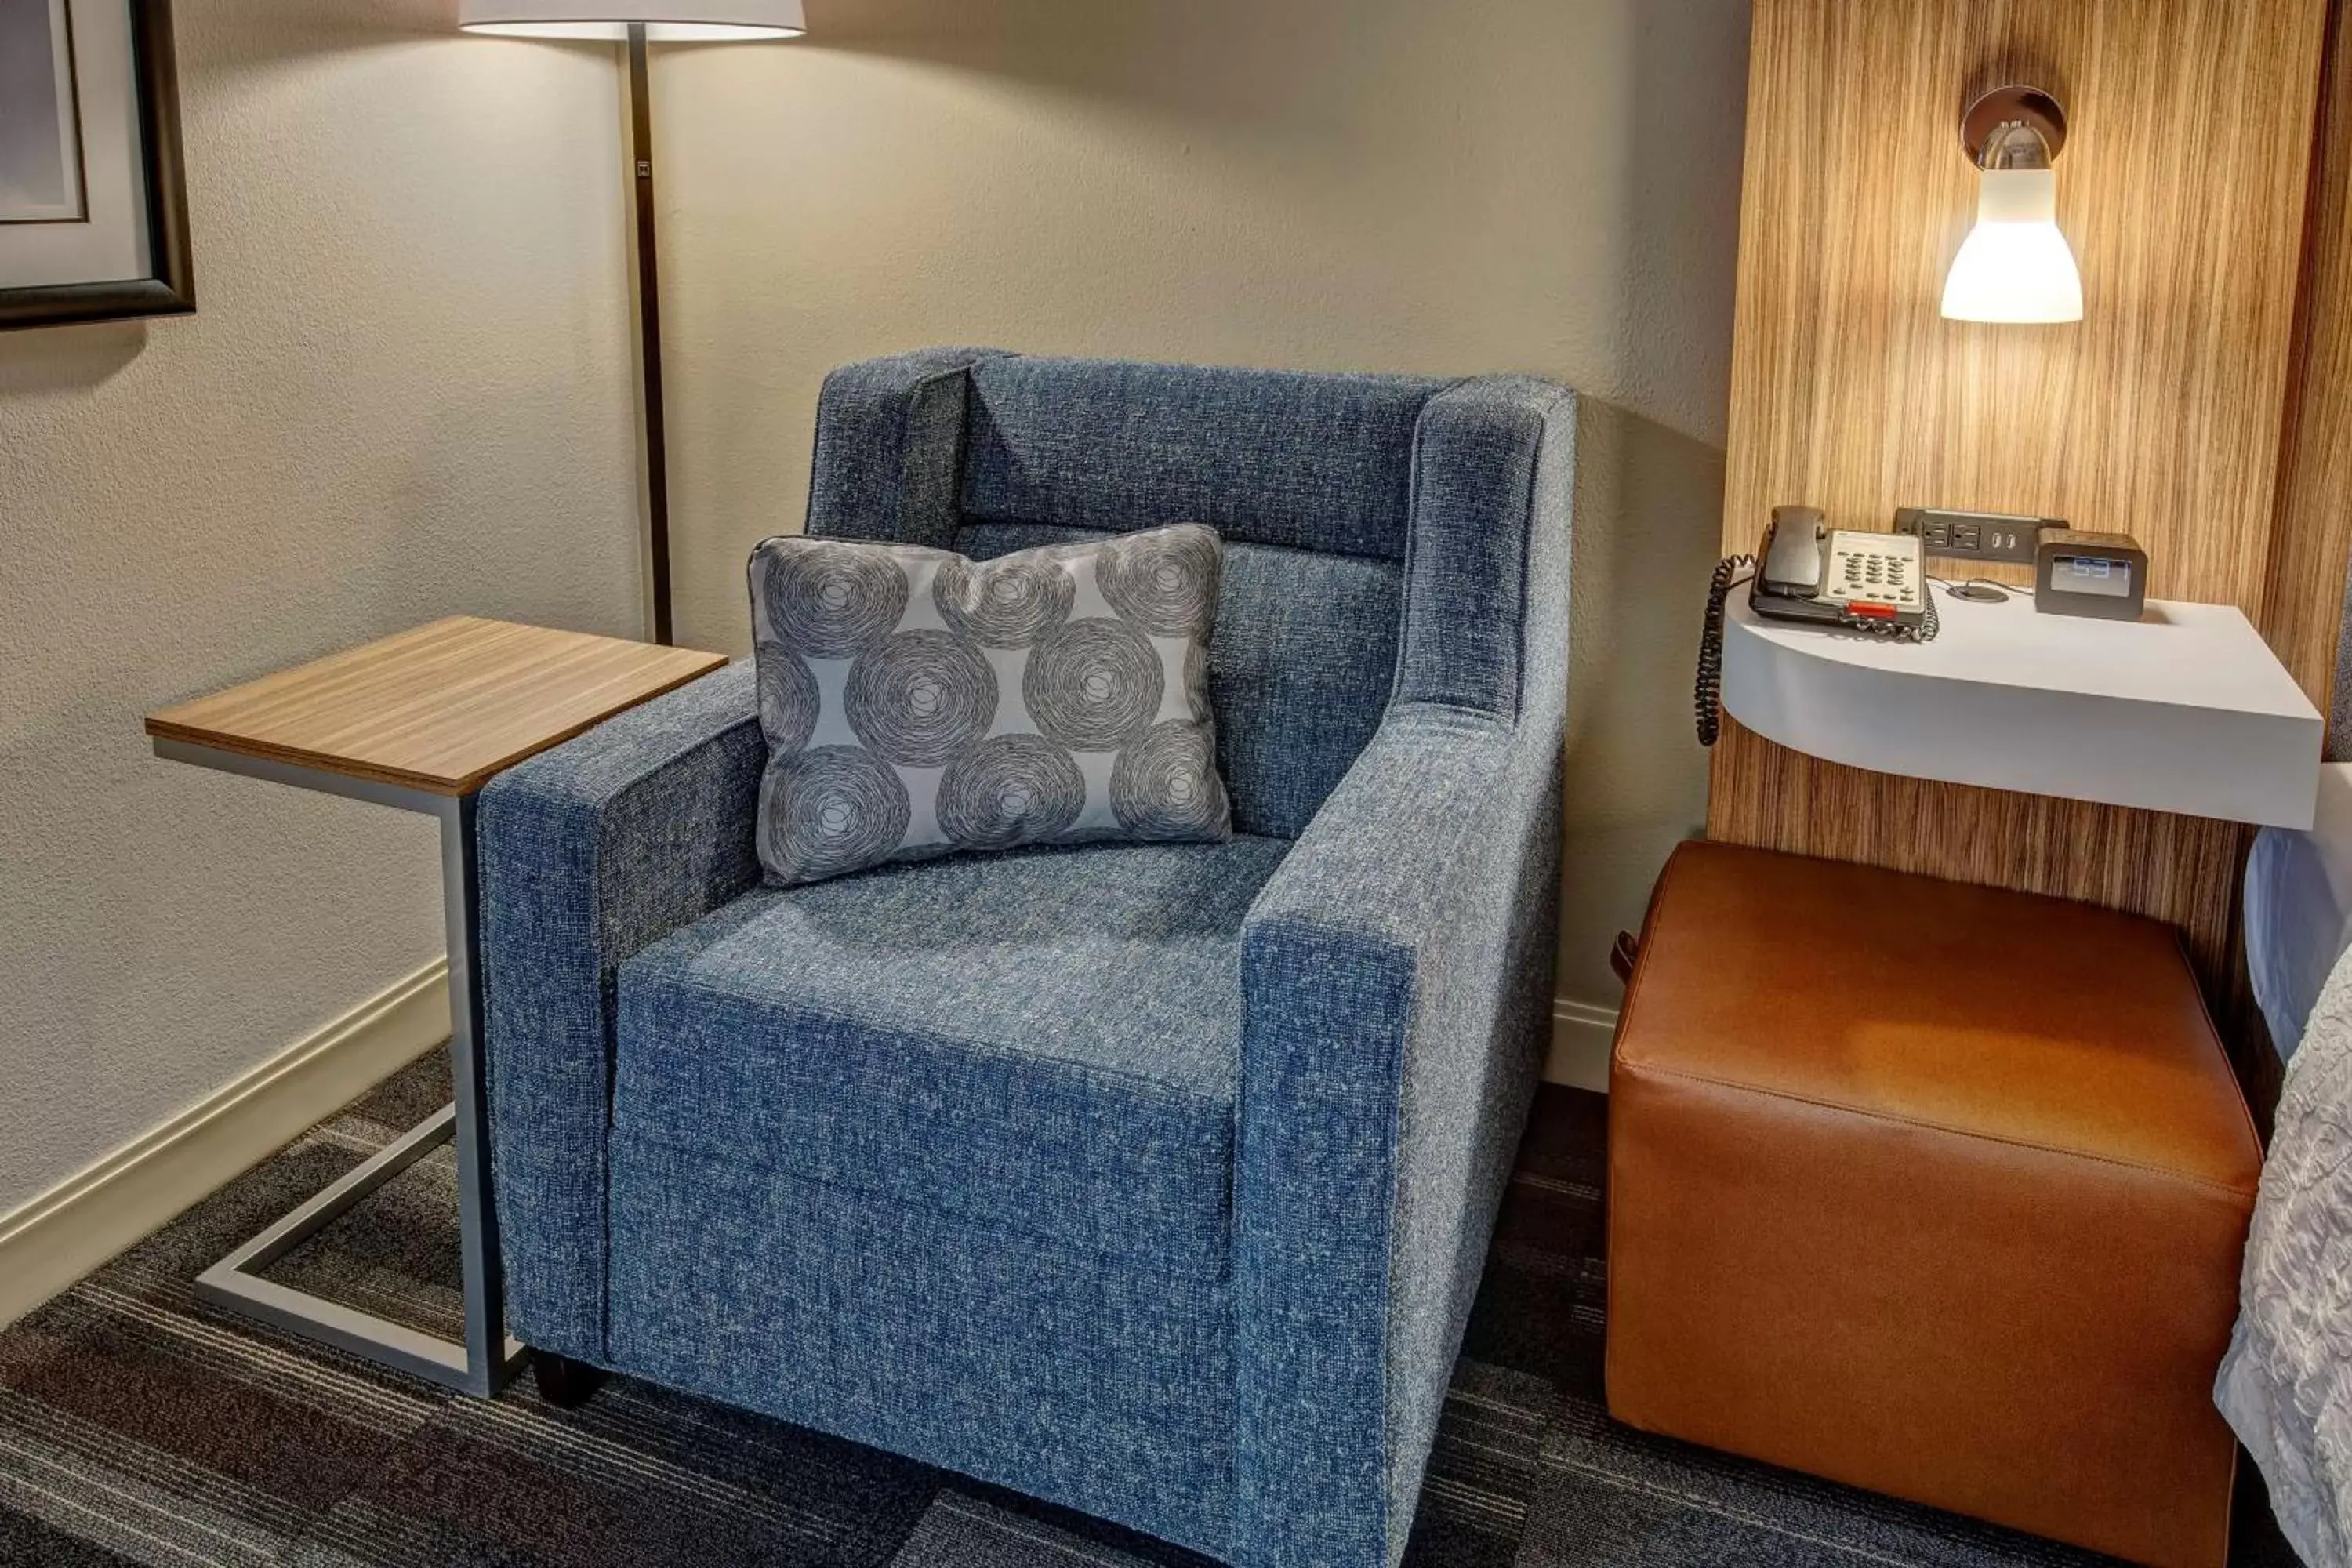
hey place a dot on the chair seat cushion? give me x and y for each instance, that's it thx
(1046, 1040)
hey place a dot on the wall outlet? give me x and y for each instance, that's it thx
(1975, 535)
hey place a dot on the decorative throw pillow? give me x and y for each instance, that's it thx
(917, 703)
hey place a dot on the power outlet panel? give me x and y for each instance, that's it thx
(1975, 535)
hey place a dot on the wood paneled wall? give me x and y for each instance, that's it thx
(2183, 188)
(2311, 533)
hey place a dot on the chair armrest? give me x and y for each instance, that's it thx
(1391, 833)
(589, 852)
(1396, 977)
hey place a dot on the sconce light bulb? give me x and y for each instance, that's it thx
(2016, 266)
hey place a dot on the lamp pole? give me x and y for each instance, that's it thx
(649, 344)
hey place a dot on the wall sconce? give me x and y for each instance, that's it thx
(2016, 266)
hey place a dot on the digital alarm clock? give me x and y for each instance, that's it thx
(2102, 575)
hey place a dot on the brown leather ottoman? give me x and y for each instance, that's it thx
(1930, 1189)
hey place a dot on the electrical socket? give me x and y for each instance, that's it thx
(1975, 535)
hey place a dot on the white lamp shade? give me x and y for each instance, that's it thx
(2016, 266)
(666, 21)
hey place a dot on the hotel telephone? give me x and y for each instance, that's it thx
(1870, 582)
(1875, 583)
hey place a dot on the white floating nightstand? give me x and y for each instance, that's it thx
(2186, 710)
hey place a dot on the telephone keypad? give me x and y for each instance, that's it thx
(1874, 569)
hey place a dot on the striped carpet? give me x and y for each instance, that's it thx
(137, 1427)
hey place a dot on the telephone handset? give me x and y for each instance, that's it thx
(1870, 583)
(1793, 561)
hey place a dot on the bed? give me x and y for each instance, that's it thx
(2286, 1384)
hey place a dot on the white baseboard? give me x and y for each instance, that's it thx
(1581, 1034)
(58, 1237)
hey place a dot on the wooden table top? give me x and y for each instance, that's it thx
(439, 709)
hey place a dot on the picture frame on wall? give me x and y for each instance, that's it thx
(93, 199)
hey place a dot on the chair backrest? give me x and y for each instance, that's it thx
(1376, 527)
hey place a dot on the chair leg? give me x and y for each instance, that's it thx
(563, 1383)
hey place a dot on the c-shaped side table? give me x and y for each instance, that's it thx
(419, 721)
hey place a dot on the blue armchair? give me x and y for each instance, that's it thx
(1154, 1181)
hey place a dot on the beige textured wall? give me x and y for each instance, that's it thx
(408, 392)
(1545, 185)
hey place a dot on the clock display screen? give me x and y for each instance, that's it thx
(2096, 575)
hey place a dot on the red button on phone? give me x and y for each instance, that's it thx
(1880, 612)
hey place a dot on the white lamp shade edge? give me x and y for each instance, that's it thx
(680, 20)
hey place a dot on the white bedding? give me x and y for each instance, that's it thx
(2299, 910)
(2286, 1384)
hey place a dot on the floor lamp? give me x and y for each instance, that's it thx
(638, 23)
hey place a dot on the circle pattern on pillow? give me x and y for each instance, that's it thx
(1093, 685)
(831, 809)
(1016, 789)
(1004, 604)
(833, 601)
(1163, 786)
(915, 702)
(921, 698)
(788, 697)
(1165, 581)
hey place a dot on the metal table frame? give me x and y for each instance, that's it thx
(489, 1356)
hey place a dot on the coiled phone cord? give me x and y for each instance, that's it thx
(1707, 696)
